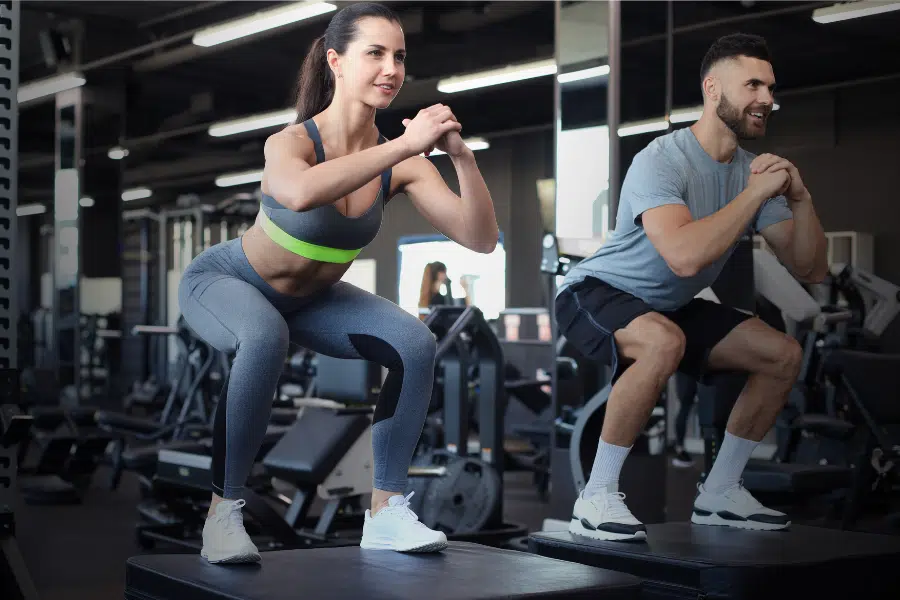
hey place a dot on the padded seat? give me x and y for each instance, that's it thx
(831, 427)
(123, 422)
(764, 476)
(139, 459)
(313, 446)
(463, 571)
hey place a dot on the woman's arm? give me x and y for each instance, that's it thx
(291, 180)
(467, 219)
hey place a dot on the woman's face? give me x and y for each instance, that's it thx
(373, 66)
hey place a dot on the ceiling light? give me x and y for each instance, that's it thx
(474, 144)
(500, 76)
(26, 210)
(117, 153)
(50, 86)
(261, 21)
(643, 127)
(136, 194)
(852, 10)
(86, 202)
(685, 115)
(601, 71)
(231, 179)
(263, 121)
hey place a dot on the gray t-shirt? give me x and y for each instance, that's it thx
(672, 169)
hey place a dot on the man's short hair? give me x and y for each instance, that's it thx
(732, 46)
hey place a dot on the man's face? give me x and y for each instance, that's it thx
(745, 95)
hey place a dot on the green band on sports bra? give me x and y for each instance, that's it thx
(305, 249)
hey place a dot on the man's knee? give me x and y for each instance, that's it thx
(789, 357)
(658, 340)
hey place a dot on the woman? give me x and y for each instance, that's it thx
(433, 277)
(280, 282)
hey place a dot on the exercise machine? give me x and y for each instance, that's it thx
(15, 581)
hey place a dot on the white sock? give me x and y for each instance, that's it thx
(730, 462)
(607, 466)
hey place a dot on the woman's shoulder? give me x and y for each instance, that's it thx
(293, 140)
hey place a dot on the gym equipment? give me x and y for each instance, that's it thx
(190, 394)
(469, 345)
(69, 448)
(325, 455)
(868, 390)
(463, 571)
(15, 581)
(682, 560)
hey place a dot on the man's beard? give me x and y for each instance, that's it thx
(735, 120)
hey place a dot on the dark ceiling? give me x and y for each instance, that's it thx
(155, 93)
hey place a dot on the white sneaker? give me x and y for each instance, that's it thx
(397, 527)
(735, 507)
(224, 538)
(604, 516)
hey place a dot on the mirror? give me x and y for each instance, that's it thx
(582, 135)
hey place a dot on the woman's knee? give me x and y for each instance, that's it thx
(268, 339)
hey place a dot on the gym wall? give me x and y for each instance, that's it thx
(511, 168)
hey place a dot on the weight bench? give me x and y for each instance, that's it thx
(683, 560)
(464, 571)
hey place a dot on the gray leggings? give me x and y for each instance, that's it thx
(231, 307)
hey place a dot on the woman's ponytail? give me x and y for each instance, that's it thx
(316, 84)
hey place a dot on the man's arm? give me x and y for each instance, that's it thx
(799, 242)
(689, 246)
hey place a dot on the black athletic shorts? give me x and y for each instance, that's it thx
(589, 312)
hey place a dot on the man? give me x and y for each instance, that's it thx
(687, 199)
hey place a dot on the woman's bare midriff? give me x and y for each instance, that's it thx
(285, 271)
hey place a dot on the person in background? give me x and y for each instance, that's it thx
(434, 277)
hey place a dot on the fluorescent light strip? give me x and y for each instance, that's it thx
(500, 76)
(232, 179)
(474, 144)
(27, 210)
(136, 194)
(601, 71)
(49, 86)
(852, 10)
(643, 127)
(261, 21)
(86, 202)
(686, 115)
(263, 121)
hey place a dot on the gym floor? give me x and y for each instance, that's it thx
(79, 552)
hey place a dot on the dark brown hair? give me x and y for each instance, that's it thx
(315, 87)
(732, 46)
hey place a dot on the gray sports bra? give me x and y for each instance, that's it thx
(323, 233)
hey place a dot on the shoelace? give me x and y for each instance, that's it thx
(234, 518)
(615, 506)
(403, 511)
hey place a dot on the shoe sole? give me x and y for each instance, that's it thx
(576, 528)
(231, 559)
(717, 521)
(426, 547)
